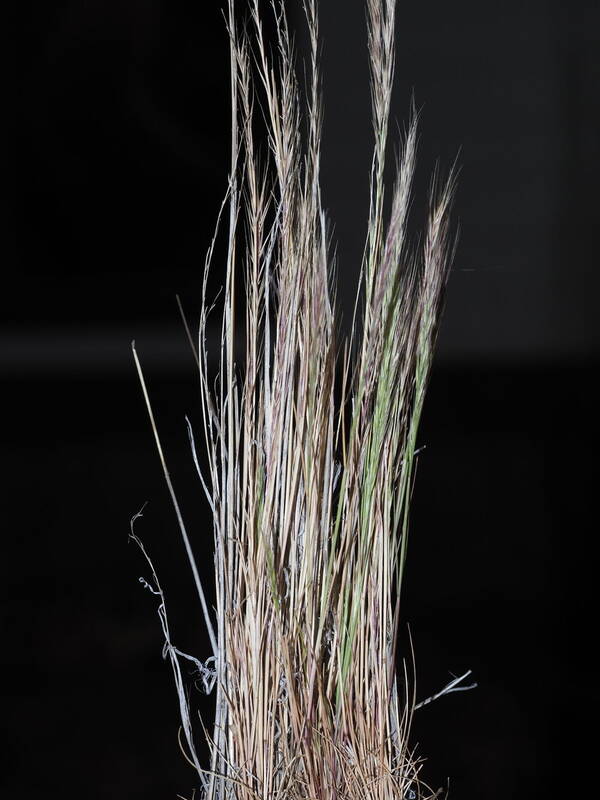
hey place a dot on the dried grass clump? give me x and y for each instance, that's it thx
(310, 496)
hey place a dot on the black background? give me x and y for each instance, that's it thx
(122, 150)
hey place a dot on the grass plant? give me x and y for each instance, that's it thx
(311, 445)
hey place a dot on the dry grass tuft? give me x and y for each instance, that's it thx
(310, 497)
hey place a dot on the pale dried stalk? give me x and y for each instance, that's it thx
(310, 500)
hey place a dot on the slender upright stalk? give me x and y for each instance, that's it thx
(309, 495)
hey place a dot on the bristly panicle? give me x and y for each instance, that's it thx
(310, 496)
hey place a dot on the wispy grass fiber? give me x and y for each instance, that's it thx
(309, 493)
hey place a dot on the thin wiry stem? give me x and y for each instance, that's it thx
(309, 495)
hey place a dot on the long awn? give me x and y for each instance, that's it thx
(311, 458)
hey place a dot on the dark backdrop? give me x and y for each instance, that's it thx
(121, 149)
